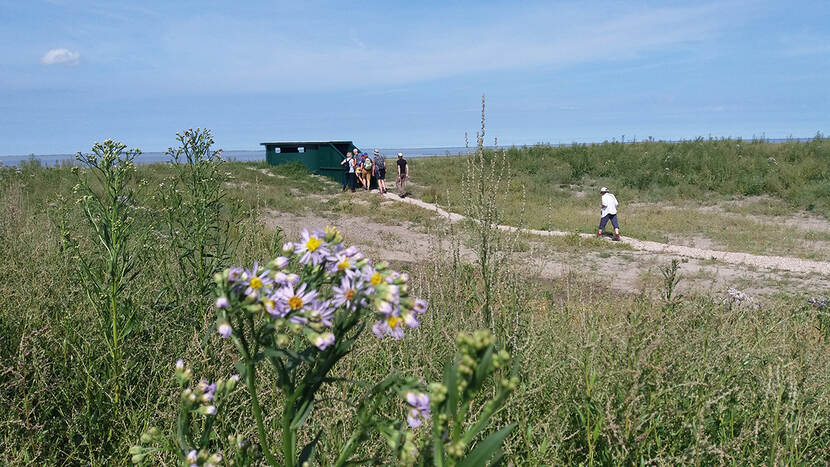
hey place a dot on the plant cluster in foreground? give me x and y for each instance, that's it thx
(302, 313)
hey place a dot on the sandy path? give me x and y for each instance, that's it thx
(784, 263)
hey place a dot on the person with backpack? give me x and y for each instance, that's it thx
(380, 171)
(368, 168)
(349, 163)
(609, 213)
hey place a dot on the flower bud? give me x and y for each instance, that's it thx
(207, 410)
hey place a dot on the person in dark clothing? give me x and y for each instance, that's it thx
(380, 171)
(403, 175)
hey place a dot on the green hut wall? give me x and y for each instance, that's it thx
(319, 157)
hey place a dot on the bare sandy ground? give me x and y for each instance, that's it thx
(785, 263)
(632, 270)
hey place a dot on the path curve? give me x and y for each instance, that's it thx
(785, 263)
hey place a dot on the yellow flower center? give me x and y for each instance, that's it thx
(349, 294)
(256, 283)
(295, 302)
(375, 279)
(343, 265)
(312, 244)
(394, 321)
(270, 304)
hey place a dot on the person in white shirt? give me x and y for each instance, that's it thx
(609, 213)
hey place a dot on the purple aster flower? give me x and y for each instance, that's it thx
(192, 456)
(222, 302)
(288, 300)
(392, 326)
(420, 408)
(272, 308)
(420, 306)
(235, 274)
(312, 249)
(340, 263)
(385, 308)
(410, 320)
(323, 312)
(347, 293)
(256, 282)
(288, 247)
(225, 330)
(324, 340)
(281, 262)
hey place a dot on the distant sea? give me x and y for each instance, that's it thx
(259, 155)
(242, 156)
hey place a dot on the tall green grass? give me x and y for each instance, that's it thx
(607, 378)
(797, 172)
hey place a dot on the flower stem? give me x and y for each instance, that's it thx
(250, 382)
(289, 436)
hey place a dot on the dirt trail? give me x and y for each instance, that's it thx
(768, 262)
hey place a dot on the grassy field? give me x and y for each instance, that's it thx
(606, 377)
(736, 194)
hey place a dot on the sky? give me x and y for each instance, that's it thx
(408, 74)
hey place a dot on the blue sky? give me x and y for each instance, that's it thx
(408, 74)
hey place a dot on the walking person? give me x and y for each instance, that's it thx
(609, 213)
(368, 169)
(403, 175)
(380, 171)
(349, 163)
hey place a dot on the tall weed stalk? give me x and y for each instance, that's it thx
(485, 185)
(198, 218)
(107, 266)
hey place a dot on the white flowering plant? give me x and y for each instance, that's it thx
(303, 312)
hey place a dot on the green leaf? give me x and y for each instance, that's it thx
(308, 449)
(302, 414)
(484, 368)
(486, 449)
(450, 373)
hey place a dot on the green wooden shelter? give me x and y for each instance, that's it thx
(320, 157)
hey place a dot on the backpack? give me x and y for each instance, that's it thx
(367, 164)
(380, 162)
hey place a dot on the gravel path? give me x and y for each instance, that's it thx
(768, 262)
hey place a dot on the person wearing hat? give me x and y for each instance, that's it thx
(609, 213)
(380, 171)
(403, 175)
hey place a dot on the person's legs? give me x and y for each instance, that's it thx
(602, 223)
(616, 225)
(368, 181)
(351, 181)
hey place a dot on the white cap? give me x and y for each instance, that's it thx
(603, 190)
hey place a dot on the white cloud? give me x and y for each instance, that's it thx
(60, 57)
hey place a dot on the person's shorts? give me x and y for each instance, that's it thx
(359, 171)
(606, 218)
(381, 174)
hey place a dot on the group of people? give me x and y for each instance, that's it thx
(360, 168)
